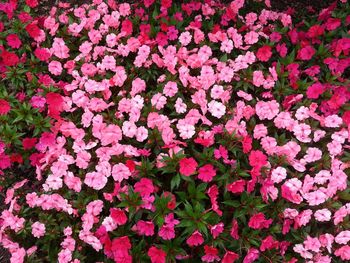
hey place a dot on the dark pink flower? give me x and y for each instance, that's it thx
(118, 216)
(206, 173)
(264, 53)
(157, 255)
(188, 166)
(13, 41)
(195, 239)
(306, 53)
(258, 221)
(5, 107)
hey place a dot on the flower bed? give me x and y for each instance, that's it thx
(184, 132)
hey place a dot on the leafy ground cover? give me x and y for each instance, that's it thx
(161, 131)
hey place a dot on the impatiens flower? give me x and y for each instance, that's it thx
(120, 172)
(145, 228)
(118, 216)
(251, 256)
(4, 107)
(257, 158)
(343, 252)
(258, 221)
(13, 41)
(306, 53)
(237, 186)
(188, 166)
(195, 239)
(9, 59)
(157, 255)
(315, 90)
(217, 109)
(211, 254)
(264, 53)
(55, 68)
(230, 257)
(206, 173)
(38, 229)
(278, 174)
(267, 109)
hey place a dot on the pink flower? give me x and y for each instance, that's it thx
(217, 109)
(188, 166)
(157, 255)
(55, 67)
(323, 215)
(343, 237)
(129, 129)
(38, 229)
(186, 130)
(195, 239)
(95, 180)
(185, 38)
(170, 89)
(343, 252)
(312, 244)
(278, 174)
(251, 38)
(120, 172)
(206, 173)
(145, 187)
(267, 109)
(251, 256)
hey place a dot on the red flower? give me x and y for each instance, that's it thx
(264, 53)
(9, 59)
(32, 3)
(247, 144)
(13, 41)
(55, 104)
(346, 117)
(4, 107)
(230, 257)
(157, 255)
(188, 166)
(16, 158)
(172, 203)
(28, 143)
(33, 30)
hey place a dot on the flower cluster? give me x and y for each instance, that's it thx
(183, 131)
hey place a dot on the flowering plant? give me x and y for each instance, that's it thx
(25, 89)
(198, 131)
